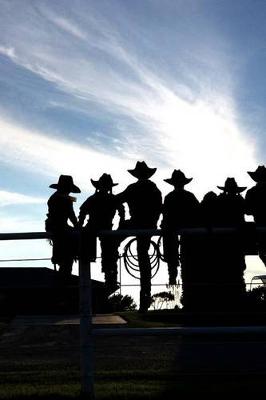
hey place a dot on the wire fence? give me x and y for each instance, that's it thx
(86, 330)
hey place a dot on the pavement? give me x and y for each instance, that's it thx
(40, 320)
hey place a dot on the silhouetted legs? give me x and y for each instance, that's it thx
(171, 255)
(143, 244)
(65, 249)
(109, 247)
(261, 244)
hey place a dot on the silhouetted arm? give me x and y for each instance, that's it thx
(249, 206)
(72, 217)
(83, 212)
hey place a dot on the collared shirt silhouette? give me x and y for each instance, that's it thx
(60, 211)
(100, 208)
(180, 210)
(143, 197)
(255, 203)
(144, 201)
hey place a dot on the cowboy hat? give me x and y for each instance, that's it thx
(178, 178)
(231, 186)
(105, 181)
(259, 175)
(65, 182)
(142, 170)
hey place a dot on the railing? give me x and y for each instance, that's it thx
(86, 331)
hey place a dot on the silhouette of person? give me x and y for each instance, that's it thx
(230, 258)
(255, 203)
(144, 201)
(60, 211)
(209, 209)
(210, 276)
(180, 210)
(101, 208)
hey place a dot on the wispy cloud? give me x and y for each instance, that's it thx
(38, 153)
(171, 123)
(69, 27)
(9, 198)
(8, 51)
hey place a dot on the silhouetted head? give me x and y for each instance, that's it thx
(65, 184)
(105, 183)
(231, 187)
(142, 171)
(209, 197)
(178, 179)
(259, 175)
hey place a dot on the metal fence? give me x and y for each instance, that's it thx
(86, 330)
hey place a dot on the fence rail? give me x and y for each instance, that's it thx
(86, 331)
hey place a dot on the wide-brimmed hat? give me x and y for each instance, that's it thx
(142, 170)
(178, 178)
(105, 181)
(231, 186)
(65, 182)
(259, 175)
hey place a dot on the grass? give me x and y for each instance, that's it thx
(43, 363)
(152, 319)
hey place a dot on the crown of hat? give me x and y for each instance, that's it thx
(259, 175)
(65, 182)
(230, 185)
(106, 180)
(142, 170)
(178, 178)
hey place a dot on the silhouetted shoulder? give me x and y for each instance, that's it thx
(181, 195)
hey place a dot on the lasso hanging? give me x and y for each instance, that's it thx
(131, 259)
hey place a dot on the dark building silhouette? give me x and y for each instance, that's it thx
(35, 290)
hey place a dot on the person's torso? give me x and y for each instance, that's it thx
(144, 202)
(181, 208)
(60, 209)
(230, 210)
(256, 202)
(101, 209)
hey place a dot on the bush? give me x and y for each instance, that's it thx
(118, 302)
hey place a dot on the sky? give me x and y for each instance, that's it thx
(92, 86)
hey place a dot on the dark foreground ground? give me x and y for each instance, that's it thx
(43, 362)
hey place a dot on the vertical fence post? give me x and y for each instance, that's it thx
(86, 344)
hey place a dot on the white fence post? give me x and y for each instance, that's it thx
(86, 345)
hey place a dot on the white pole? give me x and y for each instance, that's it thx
(86, 345)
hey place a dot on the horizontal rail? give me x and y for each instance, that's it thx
(25, 236)
(25, 259)
(139, 232)
(193, 330)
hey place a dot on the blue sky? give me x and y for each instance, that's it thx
(88, 87)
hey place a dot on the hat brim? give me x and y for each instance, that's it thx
(257, 177)
(142, 174)
(98, 185)
(180, 182)
(238, 189)
(73, 188)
